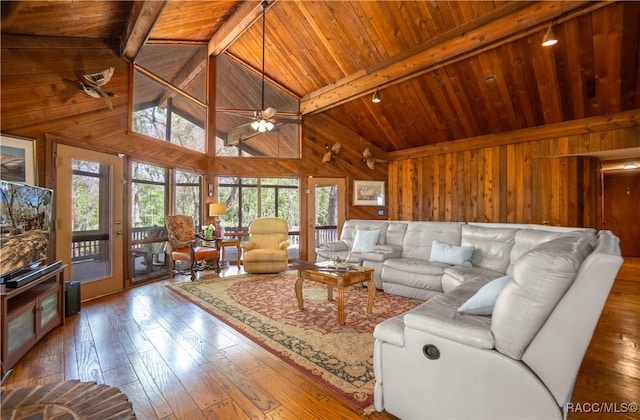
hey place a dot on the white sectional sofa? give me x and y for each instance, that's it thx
(516, 357)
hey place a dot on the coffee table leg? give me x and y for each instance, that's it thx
(371, 288)
(340, 302)
(299, 291)
(329, 293)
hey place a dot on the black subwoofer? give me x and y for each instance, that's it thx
(71, 298)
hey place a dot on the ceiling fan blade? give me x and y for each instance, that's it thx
(237, 114)
(269, 112)
(245, 111)
(288, 120)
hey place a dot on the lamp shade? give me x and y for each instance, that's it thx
(217, 209)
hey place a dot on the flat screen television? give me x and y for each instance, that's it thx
(25, 227)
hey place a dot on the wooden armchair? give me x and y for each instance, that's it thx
(184, 244)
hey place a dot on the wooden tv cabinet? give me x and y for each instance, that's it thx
(28, 313)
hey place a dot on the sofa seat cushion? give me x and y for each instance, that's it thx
(455, 275)
(439, 316)
(412, 278)
(540, 279)
(415, 265)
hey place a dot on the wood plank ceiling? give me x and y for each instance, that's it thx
(445, 70)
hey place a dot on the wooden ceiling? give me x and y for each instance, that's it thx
(445, 70)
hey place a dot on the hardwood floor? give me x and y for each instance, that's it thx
(175, 361)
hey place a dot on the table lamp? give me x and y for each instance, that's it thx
(216, 210)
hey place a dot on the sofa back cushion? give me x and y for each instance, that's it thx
(492, 246)
(396, 232)
(540, 279)
(525, 241)
(350, 226)
(420, 236)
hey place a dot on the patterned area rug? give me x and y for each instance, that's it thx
(265, 309)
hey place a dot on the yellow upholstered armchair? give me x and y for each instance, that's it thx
(266, 249)
(184, 244)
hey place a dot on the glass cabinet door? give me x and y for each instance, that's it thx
(49, 309)
(21, 329)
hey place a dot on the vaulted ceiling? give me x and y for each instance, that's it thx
(445, 70)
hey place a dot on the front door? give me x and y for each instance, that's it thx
(89, 229)
(326, 202)
(622, 209)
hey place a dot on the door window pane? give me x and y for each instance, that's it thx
(149, 187)
(90, 221)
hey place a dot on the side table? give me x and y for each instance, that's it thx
(230, 242)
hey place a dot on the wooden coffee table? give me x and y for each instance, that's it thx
(338, 279)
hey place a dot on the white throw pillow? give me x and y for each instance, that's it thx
(451, 254)
(483, 301)
(365, 240)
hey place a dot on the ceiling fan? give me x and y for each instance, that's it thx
(93, 84)
(264, 119)
(367, 157)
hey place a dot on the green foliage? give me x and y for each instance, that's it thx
(259, 197)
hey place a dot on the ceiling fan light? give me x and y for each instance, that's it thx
(376, 97)
(549, 38)
(262, 125)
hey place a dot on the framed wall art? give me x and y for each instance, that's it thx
(368, 193)
(18, 160)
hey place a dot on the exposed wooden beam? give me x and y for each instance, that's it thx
(151, 75)
(187, 74)
(511, 22)
(235, 26)
(141, 20)
(549, 131)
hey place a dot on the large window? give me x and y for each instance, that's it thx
(250, 198)
(169, 102)
(150, 187)
(187, 195)
(238, 98)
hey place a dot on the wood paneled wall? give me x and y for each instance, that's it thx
(537, 181)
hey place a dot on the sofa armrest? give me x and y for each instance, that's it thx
(336, 246)
(284, 245)
(380, 253)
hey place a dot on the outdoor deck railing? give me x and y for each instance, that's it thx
(95, 245)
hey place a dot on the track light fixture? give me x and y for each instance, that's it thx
(549, 38)
(376, 97)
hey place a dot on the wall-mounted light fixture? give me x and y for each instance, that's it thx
(376, 97)
(631, 165)
(549, 38)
